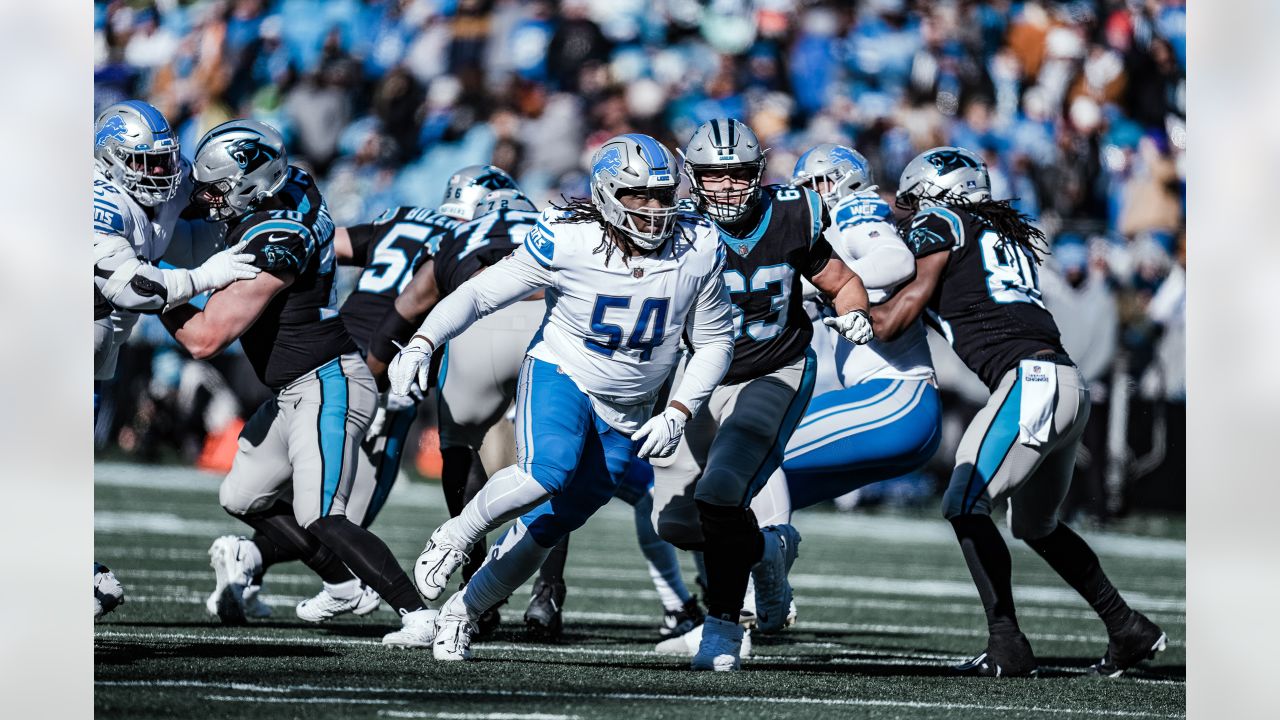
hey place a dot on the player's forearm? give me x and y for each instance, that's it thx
(851, 296)
(891, 318)
(499, 286)
(195, 332)
(704, 371)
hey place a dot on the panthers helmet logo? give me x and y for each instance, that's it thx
(948, 160)
(112, 129)
(250, 154)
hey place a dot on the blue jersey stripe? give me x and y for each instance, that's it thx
(332, 427)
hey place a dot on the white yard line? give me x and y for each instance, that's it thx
(475, 716)
(643, 697)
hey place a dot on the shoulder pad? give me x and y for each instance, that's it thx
(279, 244)
(935, 229)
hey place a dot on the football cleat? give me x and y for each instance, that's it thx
(453, 632)
(340, 599)
(1007, 655)
(108, 593)
(417, 630)
(1139, 640)
(233, 568)
(679, 622)
(721, 646)
(439, 560)
(253, 606)
(545, 615)
(773, 590)
(686, 645)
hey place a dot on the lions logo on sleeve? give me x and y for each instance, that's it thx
(541, 240)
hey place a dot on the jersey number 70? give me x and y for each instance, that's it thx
(651, 320)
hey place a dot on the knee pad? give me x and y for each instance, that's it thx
(724, 523)
(954, 503)
(239, 504)
(679, 524)
(1031, 529)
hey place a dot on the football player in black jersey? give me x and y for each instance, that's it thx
(295, 466)
(702, 495)
(977, 279)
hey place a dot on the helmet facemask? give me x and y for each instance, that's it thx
(149, 176)
(729, 204)
(647, 227)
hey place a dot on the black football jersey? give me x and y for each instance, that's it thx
(300, 329)
(987, 303)
(478, 244)
(763, 269)
(391, 249)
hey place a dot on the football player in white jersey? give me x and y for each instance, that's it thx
(140, 185)
(624, 276)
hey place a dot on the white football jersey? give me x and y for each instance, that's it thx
(861, 222)
(122, 229)
(614, 327)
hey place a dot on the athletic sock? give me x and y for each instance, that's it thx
(552, 570)
(513, 560)
(370, 559)
(279, 538)
(733, 544)
(664, 564)
(509, 494)
(1072, 558)
(461, 476)
(991, 568)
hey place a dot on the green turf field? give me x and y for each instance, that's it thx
(885, 605)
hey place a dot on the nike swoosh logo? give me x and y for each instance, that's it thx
(276, 238)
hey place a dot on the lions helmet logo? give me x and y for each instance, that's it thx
(610, 160)
(250, 154)
(112, 129)
(947, 160)
(843, 154)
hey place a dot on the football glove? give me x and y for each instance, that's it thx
(413, 361)
(223, 269)
(853, 326)
(660, 436)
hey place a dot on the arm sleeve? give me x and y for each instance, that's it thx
(362, 237)
(130, 283)
(710, 333)
(877, 254)
(501, 285)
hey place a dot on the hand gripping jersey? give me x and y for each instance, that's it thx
(300, 329)
(987, 304)
(863, 223)
(391, 249)
(763, 272)
(613, 327)
(476, 245)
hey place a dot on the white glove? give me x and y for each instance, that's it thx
(223, 269)
(661, 435)
(387, 404)
(854, 326)
(413, 361)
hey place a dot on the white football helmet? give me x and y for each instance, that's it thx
(834, 171)
(504, 199)
(135, 147)
(943, 175)
(468, 186)
(237, 165)
(636, 162)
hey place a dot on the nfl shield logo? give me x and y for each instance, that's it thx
(743, 250)
(637, 273)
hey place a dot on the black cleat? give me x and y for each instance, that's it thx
(544, 616)
(1007, 655)
(679, 622)
(1139, 640)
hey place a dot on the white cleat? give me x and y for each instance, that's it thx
(686, 645)
(334, 600)
(370, 600)
(108, 593)
(417, 630)
(773, 590)
(439, 560)
(454, 629)
(721, 646)
(233, 568)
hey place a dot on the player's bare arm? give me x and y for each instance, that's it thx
(342, 247)
(228, 313)
(892, 317)
(842, 285)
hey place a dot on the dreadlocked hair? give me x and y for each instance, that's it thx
(583, 210)
(1000, 215)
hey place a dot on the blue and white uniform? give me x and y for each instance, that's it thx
(608, 342)
(875, 412)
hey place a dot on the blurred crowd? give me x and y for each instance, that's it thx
(1079, 108)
